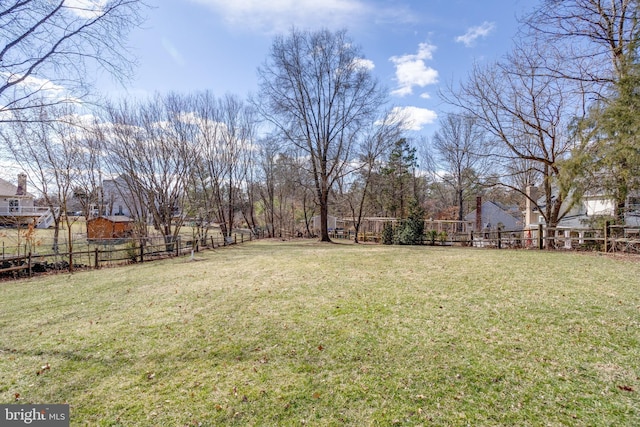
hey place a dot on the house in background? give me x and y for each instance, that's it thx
(493, 216)
(117, 197)
(581, 218)
(17, 205)
(582, 215)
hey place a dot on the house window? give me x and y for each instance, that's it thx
(634, 204)
(14, 205)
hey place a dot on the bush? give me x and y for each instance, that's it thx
(132, 251)
(387, 234)
(431, 236)
(411, 231)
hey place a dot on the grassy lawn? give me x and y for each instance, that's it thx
(303, 333)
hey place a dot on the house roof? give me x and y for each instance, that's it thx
(8, 189)
(494, 214)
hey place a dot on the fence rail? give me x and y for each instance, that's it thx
(113, 252)
(609, 239)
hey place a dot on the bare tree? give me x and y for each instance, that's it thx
(599, 41)
(48, 146)
(317, 90)
(526, 112)
(376, 143)
(222, 154)
(88, 185)
(297, 184)
(268, 155)
(237, 142)
(50, 48)
(461, 149)
(148, 150)
(593, 38)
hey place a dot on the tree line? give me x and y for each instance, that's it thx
(557, 112)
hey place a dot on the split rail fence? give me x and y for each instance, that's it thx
(113, 252)
(609, 239)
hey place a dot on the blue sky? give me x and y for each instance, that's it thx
(415, 46)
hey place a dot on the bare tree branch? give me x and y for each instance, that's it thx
(48, 49)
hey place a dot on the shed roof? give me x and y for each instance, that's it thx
(113, 218)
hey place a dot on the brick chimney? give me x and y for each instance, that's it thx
(22, 185)
(478, 213)
(530, 217)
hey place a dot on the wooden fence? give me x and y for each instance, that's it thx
(113, 252)
(608, 239)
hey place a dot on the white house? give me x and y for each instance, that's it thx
(17, 205)
(581, 216)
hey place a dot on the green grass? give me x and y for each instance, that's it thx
(302, 333)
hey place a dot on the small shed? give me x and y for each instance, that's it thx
(109, 227)
(333, 223)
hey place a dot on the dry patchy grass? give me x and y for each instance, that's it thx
(291, 333)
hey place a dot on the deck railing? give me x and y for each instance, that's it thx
(17, 211)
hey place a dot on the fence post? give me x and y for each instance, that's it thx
(235, 238)
(499, 239)
(178, 246)
(606, 232)
(213, 244)
(29, 263)
(97, 262)
(540, 238)
(141, 251)
(242, 238)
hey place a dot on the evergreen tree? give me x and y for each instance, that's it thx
(387, 234)
(411, 231)
(400, 181)
(608, 160)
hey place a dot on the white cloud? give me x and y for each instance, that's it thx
(365, 64)
(275, 16)
(32, 84)
(415, 117)
(411, 70)
(469, 38)
(87, 9)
